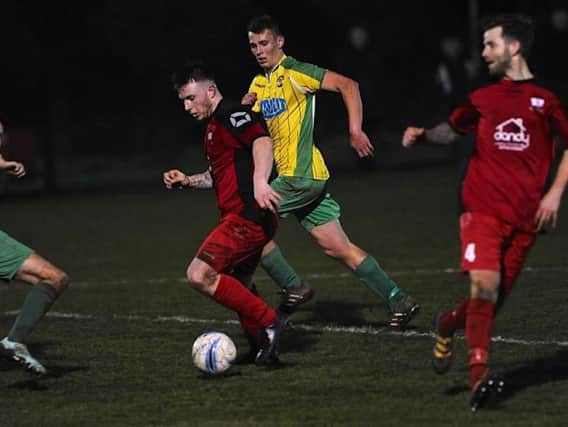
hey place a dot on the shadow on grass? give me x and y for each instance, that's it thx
(532, 373)
(339, 312)
(536, 372)
(37, 383)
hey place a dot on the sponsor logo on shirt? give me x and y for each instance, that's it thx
(273, 107)
(512, 135)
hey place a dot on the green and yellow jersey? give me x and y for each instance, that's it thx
(286, 98)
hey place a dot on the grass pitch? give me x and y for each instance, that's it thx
(118, 343)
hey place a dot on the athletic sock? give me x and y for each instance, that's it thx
(38, 301)
(250, 326)
(478, 324)
(234, 295)
(278, 268)
(453, 320)
(373, 276)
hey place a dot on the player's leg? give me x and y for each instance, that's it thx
(229, 292)
(272, 260)
(482, 240)
(445, 326)
(479, 322)
(230, 243)
(297, 194)
(278, 268)
(48, 282)
(515, 254)
(480, 249)
(243, 272)
(322, 222)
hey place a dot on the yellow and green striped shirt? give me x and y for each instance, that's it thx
(286, 98)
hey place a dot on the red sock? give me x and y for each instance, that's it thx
(453, 320)
(479, 321)
(249, 326)
(234, 295)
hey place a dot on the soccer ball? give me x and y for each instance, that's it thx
(213, 352)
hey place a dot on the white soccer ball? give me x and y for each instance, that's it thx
(213, 352)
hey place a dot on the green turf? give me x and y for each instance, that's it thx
(125, 361)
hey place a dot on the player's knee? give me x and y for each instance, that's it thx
(201, 278)
(484, 291)
(61, 281)
(194, 276)
(56, 278)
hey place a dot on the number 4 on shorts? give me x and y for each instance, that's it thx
(469, 253)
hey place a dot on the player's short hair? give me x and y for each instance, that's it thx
(258, 24)
(515, 26)
(196, 71)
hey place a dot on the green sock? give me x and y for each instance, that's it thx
(38, 300)
(279, 270)
(374, 277)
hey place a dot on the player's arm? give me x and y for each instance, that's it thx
(462, 120)
(263, 159)
(349, 90)
(547, 212)
(175, 178)
(440, 134)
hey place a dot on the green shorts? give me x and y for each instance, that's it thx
(307, 199)
(12, 256)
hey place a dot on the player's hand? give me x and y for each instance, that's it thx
(547, 212)
(175, 178)
(14, 168)
(249, 99)
(266, 197)
(411, 134)
(361, 144)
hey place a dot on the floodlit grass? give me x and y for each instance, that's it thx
(124, 358)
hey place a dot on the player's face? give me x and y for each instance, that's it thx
(197, 98)
(496, 52)
(266, 48)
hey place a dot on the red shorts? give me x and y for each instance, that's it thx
(488, 243)
(236, 244)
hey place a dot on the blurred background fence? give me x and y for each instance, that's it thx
(86, 99)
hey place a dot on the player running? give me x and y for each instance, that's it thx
(285, 95)
(505, 199)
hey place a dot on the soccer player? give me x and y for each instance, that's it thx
(504, 195)
(17, 261)
(285, 94)
(239, 152)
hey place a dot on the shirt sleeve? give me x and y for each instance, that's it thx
(559, 120)
(465, 117)
(306, 76)
(246, 126)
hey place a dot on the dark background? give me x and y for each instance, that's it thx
(85, 86)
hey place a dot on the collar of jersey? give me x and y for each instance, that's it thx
(268, 73)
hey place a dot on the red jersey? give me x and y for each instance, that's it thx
(229, 135)
(514, 148)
